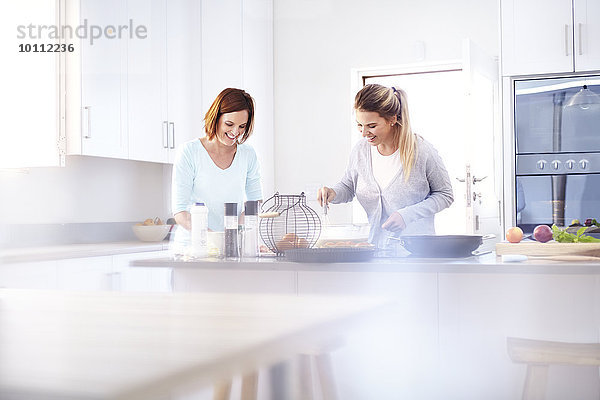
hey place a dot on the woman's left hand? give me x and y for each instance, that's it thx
(394, 223)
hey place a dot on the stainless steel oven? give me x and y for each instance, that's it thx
(557, 142)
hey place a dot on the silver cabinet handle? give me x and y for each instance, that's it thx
(165, 134)
(567, 29)
(171, 138)
(87, 122)
(580, 40)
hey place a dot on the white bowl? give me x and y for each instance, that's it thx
(215, 243)
(151, 233)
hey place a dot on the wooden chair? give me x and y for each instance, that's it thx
(540, 354)
(324, 370)
(222, 390)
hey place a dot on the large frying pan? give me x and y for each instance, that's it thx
(441, 245)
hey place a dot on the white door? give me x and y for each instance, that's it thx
(146, 83)
(102, 81)
(183, 73)
(482, 141)
(537, 37)
(587, 34)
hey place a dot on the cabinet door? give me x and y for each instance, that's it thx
(587, 35)
(477, 312)
(233, 281)
(29, 275)
(394, 353)
(258, 81)
(536, 38)
(90, 273)
(146, 83)
(102, 82)
(221, 48)
(29, 82)
(141, 279)
(183, 73)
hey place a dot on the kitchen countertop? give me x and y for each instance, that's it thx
(47, 253)
(486, 263)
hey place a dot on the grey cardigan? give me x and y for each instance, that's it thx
(427, 191)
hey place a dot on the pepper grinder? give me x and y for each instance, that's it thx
(231, 231)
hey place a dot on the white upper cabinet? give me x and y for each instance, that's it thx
(258, 81)
(536, 38)
(184, 73)
(221, 48)
(96, 89)
(29, 78)
(587, 34)
(554, 37)
(141, 96)
(147, 82)
(163, 77)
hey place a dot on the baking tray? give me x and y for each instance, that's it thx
(330, 255)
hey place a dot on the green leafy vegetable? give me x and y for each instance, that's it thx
(562, 236)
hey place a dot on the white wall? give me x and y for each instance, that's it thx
(317, 42)
(88, 189)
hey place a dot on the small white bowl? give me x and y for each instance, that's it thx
(151, 233)
(215, 241)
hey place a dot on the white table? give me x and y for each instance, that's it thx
(146, 346)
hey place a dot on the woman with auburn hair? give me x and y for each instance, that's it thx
(397, 176)
(219, 167)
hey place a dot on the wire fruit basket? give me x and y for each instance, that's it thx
(288, 223)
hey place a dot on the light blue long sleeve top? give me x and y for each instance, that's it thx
(197, 179)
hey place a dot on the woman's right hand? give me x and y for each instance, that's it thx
(184, 219)
(325, 195)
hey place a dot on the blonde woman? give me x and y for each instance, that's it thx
(397, 176)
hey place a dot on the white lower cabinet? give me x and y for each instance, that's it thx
(232, 281)
(398, 353)
(447, 335)
(31, 275)
(102, 273)
(90, 273)
(478, 312)
(141, 279)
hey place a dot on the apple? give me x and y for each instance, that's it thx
(514, 234)
(542, 233)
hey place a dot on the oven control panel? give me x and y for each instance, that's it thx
(558, 164)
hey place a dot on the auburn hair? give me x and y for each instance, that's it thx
(229, 100)
(390, 102)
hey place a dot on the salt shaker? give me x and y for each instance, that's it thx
(250, 233)
(199, 234)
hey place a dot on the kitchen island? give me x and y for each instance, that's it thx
(485, 263)
(448, 335)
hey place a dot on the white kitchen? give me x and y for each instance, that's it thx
(99, 98)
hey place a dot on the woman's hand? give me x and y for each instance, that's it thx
(325, 195)
(395, 223)
(184, 218)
